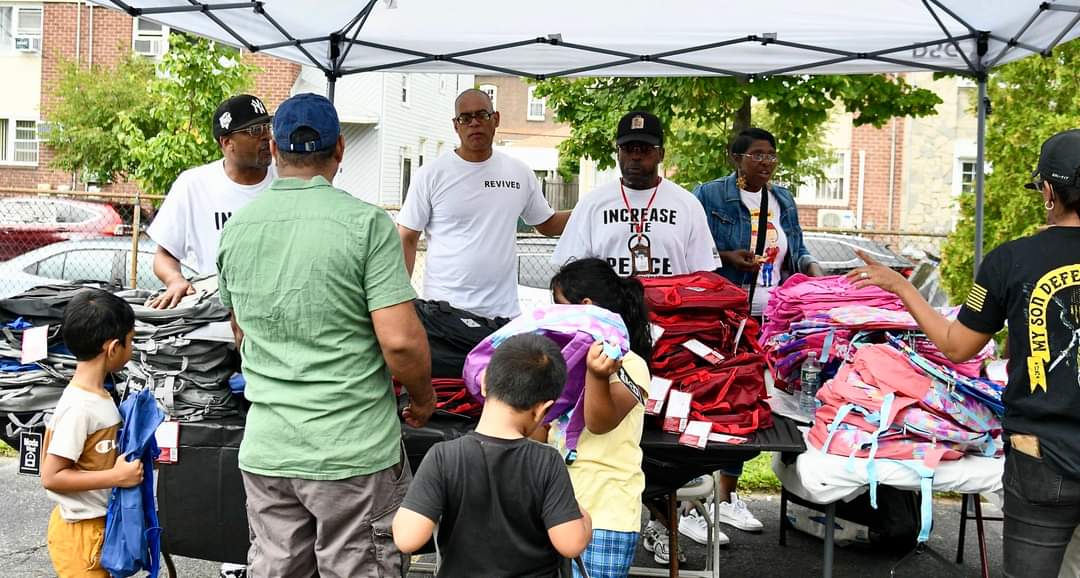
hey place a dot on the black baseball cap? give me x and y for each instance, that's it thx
(1059, 161)
(640, 126)
(239, 112)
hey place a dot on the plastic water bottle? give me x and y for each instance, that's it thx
(810, 376)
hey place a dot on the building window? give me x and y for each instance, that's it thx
(967, 175)
(18, 142)
(833, 188)
(150, 38)
(20, 29)
(406, 176)
(536, 106)
(492, 91)
(405, 89)
(26, 142)
(444, 82)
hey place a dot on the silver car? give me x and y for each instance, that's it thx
(107, 260)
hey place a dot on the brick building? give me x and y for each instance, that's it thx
(37, 37)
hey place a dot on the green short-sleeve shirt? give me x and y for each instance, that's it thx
(302, 267)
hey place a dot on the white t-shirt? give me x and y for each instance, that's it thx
(776, 247)
(188, 224)
(83, 429)
(469, 212)
(675, 232)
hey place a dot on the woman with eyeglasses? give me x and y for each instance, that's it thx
(733, 205)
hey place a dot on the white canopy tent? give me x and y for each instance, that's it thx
(636, 37)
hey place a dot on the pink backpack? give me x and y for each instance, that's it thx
(574, 328)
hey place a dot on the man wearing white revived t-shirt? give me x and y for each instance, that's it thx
(642, 223)
(467, 203)
(188, 224)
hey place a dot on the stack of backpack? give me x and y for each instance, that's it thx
(185, 355)
(29, 392)
(452, 333)
(823, 317)
(729, 393)
(884, 404)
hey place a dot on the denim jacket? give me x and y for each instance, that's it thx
(729, 221)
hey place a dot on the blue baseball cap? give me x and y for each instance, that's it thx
(308, 110)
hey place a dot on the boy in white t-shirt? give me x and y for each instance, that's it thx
(81, 466)
(468, 202)
(188, 224)
(642, 224)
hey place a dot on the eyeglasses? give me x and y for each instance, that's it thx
(466, 118)
(759, 157)
(255, 131)
(637, 148)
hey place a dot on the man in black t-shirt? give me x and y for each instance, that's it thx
(503, 503)
(1033, 285)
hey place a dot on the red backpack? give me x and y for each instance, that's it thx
(707, 307)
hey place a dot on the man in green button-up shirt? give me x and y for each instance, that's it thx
(323, 311)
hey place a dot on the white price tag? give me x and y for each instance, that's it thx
(168, 440)
(35, 344)
(658, 392)
(656, 331)
(727, 438)
(678, 410)
(696, 434)
(704, 351)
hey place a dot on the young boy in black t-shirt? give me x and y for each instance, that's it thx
(503, 503)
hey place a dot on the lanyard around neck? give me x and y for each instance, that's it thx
(644, 214)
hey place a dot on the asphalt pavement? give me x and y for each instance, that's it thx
(23, 553)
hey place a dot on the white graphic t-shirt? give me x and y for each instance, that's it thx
(188, 224)
(776, 247)
(469, 213)
(639, 232)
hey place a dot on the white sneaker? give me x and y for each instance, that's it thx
(735, 513)
(655, 540)
(696, 527)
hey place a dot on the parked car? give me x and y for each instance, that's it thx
(106, 260)
(27, 223)
(836, 253)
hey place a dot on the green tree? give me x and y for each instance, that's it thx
(85, 129)
(1032, 99)
(145, 123)
(700, 113)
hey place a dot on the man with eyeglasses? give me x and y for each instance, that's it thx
(467, 202)
(188, 224)
(642, 224)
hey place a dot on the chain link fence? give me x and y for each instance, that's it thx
(49, 236)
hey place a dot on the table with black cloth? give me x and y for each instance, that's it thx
(201, 497)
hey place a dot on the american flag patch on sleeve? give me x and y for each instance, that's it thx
(976, 298)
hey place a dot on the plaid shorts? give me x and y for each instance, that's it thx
(610, 554)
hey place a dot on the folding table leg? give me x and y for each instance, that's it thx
(783, 517)
(982, 537)
(673, 536)
(830, 528)
(963, 528)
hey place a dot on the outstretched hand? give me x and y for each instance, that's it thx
(874, 273)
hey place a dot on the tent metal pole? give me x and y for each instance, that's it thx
(980, 172)
(331, 83)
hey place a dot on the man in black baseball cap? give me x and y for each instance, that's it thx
(188, 224)
(641, 224)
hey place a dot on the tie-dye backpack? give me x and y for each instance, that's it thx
(574, 328)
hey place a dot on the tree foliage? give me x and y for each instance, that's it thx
(1031, 100)
(699, 113)
(143, 122)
